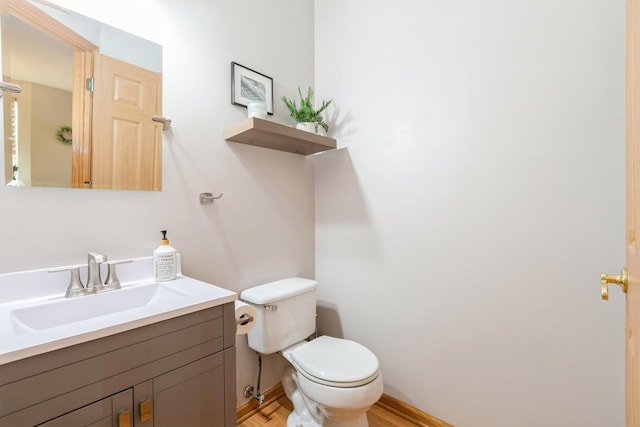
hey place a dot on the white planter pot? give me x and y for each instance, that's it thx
(308, 126)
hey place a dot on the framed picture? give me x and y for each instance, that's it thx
(248, 85)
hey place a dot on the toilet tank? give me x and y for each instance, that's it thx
(286, 313)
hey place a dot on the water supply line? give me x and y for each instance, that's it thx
(249, 391)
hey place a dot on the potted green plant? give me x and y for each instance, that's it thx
(307, 117)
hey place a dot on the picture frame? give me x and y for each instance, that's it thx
(248, 85)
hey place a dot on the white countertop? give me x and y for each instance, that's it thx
(39, 289)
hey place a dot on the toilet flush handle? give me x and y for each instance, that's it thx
(270, 307)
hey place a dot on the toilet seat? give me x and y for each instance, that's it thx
(335, 362)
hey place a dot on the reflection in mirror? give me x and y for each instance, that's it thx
(89, 91)
(43, 68)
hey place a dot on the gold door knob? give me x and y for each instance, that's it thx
(621, 279)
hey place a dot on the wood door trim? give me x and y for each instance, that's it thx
(48, 25)
(81, 120)
(632, 345)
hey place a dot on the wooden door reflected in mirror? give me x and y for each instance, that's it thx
(114, 142)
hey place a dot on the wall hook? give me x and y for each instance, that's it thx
(208, 198)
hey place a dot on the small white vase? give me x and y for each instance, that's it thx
(308, 126)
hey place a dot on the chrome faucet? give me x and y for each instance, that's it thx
(94, 281)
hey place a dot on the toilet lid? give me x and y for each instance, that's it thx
(336, 362)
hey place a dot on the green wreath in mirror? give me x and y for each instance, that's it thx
(64, 135)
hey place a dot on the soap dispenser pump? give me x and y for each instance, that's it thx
(165, 261)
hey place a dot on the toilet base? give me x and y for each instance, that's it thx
(294, 420)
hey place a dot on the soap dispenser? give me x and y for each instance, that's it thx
(165, 263)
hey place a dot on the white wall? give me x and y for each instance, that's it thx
(263, 227)
(478, 194)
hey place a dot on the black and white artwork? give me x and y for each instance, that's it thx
(248, 85)
(252, 89)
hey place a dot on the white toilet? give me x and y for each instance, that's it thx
(331, 381)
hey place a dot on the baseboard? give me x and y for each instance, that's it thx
(252, 407)
(408, 412)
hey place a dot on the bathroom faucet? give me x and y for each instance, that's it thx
(94, 282)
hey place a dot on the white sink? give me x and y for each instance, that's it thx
(36, 317)
(64, 311)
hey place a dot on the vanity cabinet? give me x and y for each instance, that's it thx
(177, 372)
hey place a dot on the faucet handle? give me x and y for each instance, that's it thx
(112, 281)
(94, 281)
(96, 257)
(75, 287)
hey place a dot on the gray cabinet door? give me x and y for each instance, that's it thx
(191, 396)
(114, 411)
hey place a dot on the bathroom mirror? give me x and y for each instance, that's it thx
(83, 118)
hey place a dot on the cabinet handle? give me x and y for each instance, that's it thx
(145, 410)
(124, 419)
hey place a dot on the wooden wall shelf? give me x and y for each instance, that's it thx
(267, 134)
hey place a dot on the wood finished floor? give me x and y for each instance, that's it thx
(276, 413)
